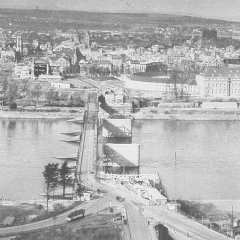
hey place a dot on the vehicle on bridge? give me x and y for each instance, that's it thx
(78, 214)
(120, 199)
(118, 218)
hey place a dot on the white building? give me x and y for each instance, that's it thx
(219, 82)
(60, 85)
(160, 86)
(22, 71)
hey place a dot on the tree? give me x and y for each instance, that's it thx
(174, 78)
(64, 172)
(36, 91)
(49, 94)
(4, 85)
(51, 175)
(12, 106)
(11, 94)
(25, 87)
(80, 189)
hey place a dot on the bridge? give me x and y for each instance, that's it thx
(137, 220)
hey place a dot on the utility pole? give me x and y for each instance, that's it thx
(175, 180)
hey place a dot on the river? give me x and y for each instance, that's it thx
(207, 166)
(25, 147)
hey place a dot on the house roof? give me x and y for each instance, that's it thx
(157, 77)
(55, 58)
(135, 62)
(41, 61)
(101, 62)
(65, 52)
(221, 72)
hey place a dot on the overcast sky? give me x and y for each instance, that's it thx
(224, 9)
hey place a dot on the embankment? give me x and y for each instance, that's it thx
(187, 114)
(60, 113)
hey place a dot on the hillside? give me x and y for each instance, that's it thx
(46, 20)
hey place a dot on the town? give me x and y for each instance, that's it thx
(101, 76)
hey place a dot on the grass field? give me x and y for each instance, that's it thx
(93, 227)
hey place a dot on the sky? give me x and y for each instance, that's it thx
(222, 9)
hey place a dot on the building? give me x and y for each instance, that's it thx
(22, 71)
(60, 85)
(122, 158)
(115, 96)
(61, 64)
(117, 62)
(50, 78)
(232, 61)
(219, 82)
(156, 85)
(8, 54)
(120, 128)
(84, 67)
(135, 66)
(87, 39)
(104, 64)
(17, 40)
(41, 66)
(236, 231)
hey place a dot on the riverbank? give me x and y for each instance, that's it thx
(59, 113)
(188, 114)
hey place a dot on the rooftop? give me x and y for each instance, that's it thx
(158, 77)
(41, 61)
(221, 72)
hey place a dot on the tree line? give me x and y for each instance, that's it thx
(12, 90)
(55, 175)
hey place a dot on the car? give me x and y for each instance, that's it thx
(120, 199)
(118, 218)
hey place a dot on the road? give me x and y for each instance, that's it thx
(91, 207)
(182, 225)
(137, 224)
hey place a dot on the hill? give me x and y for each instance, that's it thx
(49, 19)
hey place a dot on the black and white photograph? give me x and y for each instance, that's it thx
(120, 120)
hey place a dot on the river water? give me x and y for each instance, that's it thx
(207, 166)
(25, 147)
